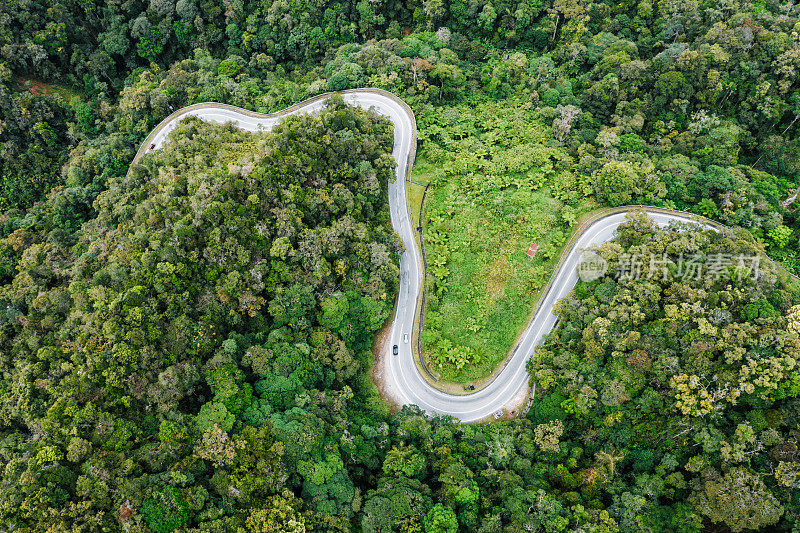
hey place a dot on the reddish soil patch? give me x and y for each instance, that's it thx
(38, 87)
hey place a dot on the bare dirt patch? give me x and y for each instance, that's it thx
(515, 404)
(511, 409)
(37, 87)
(379, 371)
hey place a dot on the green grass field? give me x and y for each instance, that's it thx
(479, 223)
(491, 285)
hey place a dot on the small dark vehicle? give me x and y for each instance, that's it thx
(394, 350)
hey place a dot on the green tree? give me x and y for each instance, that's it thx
(440, 519)
(739, 499)
(404, 461)
(214, 414)
(780, 236)
(165, 511)
(150, 45)
(281, 515)
(334, 309)
(618, 182)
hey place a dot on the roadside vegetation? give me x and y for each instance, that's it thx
(122, 409)
(238, 277)
(498, 183)
(680, 386)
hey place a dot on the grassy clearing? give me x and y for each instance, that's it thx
(492, 286)
(499, 183)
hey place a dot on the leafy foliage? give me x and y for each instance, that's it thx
(686, 382)
(498, 184)
(165, 511)
(192, 332)
(186, 345)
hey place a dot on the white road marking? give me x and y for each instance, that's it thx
(404, 377)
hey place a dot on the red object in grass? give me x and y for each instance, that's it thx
(533, 249)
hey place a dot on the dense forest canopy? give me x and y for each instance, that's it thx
(680, 104)
(687, 104)
(685, 377)
(186, 343)
(227, 289)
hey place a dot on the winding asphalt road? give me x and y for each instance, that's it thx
(404, 382)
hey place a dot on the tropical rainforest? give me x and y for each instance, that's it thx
(187, 343)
